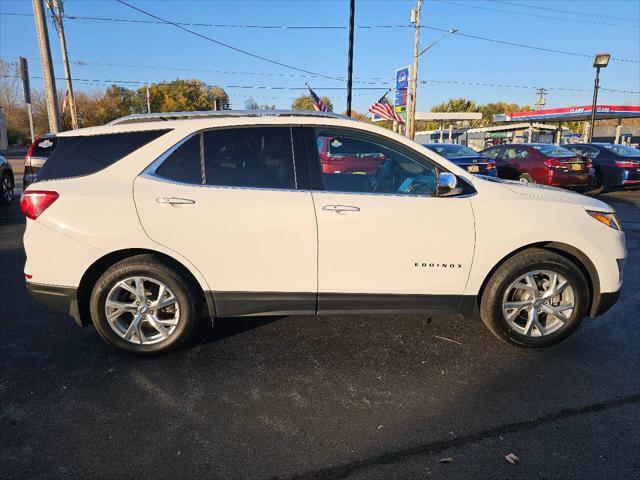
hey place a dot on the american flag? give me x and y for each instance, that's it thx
(384, 109)
(318, 105)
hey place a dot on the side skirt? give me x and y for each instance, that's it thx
(242, 304)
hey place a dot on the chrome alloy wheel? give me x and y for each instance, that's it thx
(142, 310)
(538, 303)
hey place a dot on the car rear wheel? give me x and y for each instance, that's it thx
(143, 306)
(6, 189)
(597, 186)
(536, 298)
(526, 178)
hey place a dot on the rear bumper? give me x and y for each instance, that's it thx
(580, 180)
(58, 299)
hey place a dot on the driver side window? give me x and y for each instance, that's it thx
(363, 164)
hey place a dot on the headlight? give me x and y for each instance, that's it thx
(609, 219)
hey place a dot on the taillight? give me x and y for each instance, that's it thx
(491, 165)
(34, 202)
(27, 158)
(626, 164)
(553, 163)
(589, 164)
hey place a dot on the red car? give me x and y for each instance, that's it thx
(347, 156)
(542, 163)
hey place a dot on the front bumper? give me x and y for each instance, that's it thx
(59, 299)
(605, 302)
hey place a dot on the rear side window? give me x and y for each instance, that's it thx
(183, 165)
(83, 155)
(259, 157)
(43, 146)
(491, 153)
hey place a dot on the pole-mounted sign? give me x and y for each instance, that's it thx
(24, 75)
(26, 89)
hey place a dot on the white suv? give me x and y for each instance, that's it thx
(148, 224)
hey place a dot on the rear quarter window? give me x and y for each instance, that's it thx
(44, 146)
(77, 156)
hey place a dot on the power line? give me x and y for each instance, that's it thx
(570, 12)
(506, 85)
(528, 14)
(225, 25)
(382, 86)
(337, 27)
(226, 45)
(531, 47)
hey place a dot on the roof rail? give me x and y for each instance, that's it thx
(152, 117)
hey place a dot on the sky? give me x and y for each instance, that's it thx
(457, 66)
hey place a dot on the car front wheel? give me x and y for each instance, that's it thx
(143, 306)
(535, 299)
(6, 189)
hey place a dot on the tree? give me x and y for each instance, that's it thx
(186, 95)
(251, 104)
(305, 102)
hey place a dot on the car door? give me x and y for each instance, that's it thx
(229, 201)
(386, 241)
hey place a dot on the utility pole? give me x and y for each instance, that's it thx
(146, 88)
(47, 67)
(350, 68)
(413, 84)
(540, 101)
(57, 11)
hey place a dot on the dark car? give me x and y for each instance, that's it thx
(6, 181)
(36, 157)
(542, 163)
(465, 157)
(616, 166)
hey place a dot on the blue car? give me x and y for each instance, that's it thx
(465, 157)
(617, 166)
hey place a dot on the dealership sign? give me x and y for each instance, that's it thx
(400, 93)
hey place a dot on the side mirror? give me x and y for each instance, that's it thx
(447, 183)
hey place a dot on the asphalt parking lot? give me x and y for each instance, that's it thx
(357, 397)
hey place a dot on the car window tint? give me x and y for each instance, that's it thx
(354, 163)
(183, 165)
(259, 157)
(78, 155)
(491, 153)
(510, 154)
(44, 146)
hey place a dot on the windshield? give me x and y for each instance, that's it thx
(451, 150)
(623, 150)
(554, 151)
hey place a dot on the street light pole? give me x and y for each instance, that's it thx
(352, 12)
(601, 60)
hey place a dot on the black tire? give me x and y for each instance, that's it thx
(526, 178)
(6, 189)
(507, 273)
(597, 187)
(186, 292)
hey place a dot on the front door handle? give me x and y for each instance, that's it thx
(340, 208)
(175, 200)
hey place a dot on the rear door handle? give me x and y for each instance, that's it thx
(175, 200)
(340, 208)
